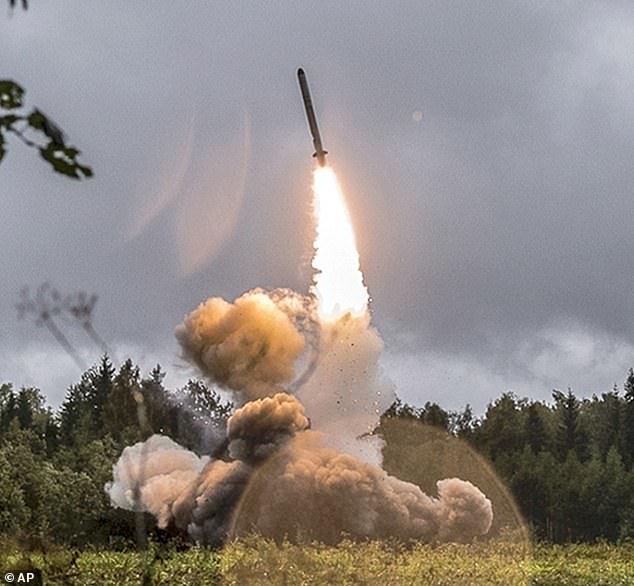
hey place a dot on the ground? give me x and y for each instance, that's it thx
(261, 562)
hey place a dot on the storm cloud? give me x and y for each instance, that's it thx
(484, 150)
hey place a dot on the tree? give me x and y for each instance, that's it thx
(400, 409)
(14, 513)
(75, 415)
(614, 496)
(101, 386)
(30, 407)
(433, 414)
(535, 430)
(120, 417)
(606, 416)
(201, 415)
(8, 407)
(567, 509)
(531, 486)
(462, 423)
(500, 432)
(627, 517)
(38, 131)
(628, 421)
(570, 435)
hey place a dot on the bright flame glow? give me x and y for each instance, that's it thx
(338, 281)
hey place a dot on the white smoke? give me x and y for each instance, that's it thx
(348, 390)
(151, 475)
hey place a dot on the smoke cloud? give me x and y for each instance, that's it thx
(305, 491)
(257, 429)
(151, 475)
(299, 459)
(205, 509)
(249, 346)
(348, 390)
(295, 466)
(311, 492)
(464, 510)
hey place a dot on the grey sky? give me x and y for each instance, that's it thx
(495, 233)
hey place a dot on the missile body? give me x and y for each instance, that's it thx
(320, 153)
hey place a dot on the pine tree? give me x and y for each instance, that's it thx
(627, 434)
(570, 435)
(592, 493)
(433, 414)
(535, 429)
(202, 415)
(613, 496)
(566, 506)
(101, 380)
(161, 410)
(462, 423)
(530, 486)
(120, 412)
(75, 414)
(8, 407)
(607, 419)
(26, 405)
(500, 432)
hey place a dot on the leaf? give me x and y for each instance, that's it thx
(36, 119)
(63, 160)
(9, 119)
(39, 121)
(11, 94)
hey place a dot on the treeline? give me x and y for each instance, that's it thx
(569, 463)
(55, 464)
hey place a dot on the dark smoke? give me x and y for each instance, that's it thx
(256, 430)
(206, 507)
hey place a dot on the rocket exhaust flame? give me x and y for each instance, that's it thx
(338, 281)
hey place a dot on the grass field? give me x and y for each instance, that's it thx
(261, 562)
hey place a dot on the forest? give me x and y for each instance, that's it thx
(568, 462)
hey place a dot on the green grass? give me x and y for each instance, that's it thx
(261, 562)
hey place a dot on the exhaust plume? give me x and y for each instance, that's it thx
(337, 281)
(348, 390)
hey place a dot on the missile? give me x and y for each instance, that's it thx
(319, 153)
